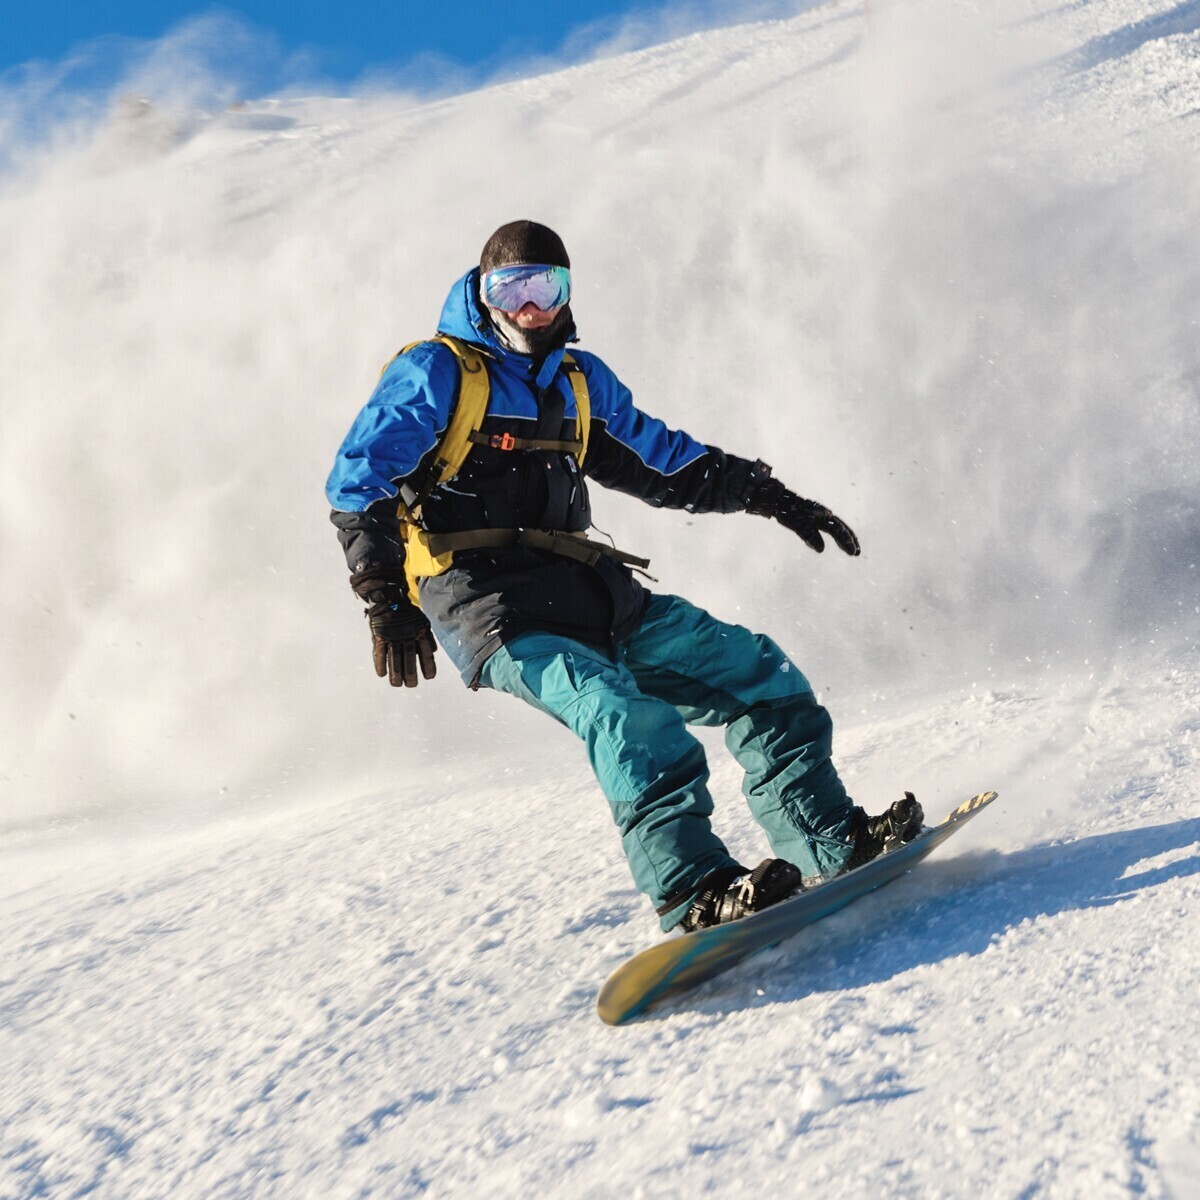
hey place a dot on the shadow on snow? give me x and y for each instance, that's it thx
(942, 910)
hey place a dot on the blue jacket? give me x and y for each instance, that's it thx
(489, 596)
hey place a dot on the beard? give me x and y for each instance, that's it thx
(535, 342)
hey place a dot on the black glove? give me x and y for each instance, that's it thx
(804, 517)
(400, 631)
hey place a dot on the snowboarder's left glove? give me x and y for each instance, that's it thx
(806, 518)
(400, 632)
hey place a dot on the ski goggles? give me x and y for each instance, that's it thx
(511, 288)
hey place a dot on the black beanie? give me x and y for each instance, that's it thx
(523, 242)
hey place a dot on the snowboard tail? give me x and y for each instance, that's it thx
(679, 963)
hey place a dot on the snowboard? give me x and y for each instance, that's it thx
(679, 963)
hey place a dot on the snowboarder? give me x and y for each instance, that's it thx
(485, 548)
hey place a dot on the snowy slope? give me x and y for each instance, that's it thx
(271, 929)
(332, 1006)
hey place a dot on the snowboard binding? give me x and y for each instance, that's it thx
(894, 827)
(731, 893)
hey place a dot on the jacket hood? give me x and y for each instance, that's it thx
(463, 316)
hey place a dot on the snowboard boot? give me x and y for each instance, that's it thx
(877, 835)
(733, 892)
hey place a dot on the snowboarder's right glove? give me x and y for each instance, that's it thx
(400, 631)
(806, 518)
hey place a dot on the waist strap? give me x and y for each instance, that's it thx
(569, 545)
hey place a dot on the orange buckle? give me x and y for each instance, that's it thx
(502, 441)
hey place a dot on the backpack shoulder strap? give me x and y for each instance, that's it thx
(469, 410)
(583, 402)
(466, 418)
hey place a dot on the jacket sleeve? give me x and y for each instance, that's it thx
(371, 540)
(389, 442)
(632, 452)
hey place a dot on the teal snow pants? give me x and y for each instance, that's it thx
(632, 706)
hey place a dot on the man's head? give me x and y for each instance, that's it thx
(525, 283)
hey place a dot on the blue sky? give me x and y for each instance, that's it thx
(342, 42)
(63, 60)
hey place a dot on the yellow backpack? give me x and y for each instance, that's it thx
(430, 554)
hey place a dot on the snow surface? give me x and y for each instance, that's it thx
(272, 929)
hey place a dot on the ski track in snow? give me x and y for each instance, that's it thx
(382, 982)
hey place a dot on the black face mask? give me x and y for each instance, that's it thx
(537, 343)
